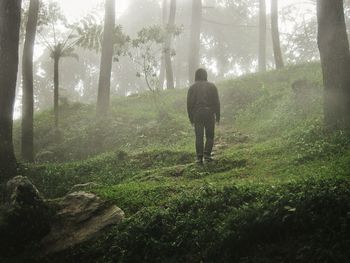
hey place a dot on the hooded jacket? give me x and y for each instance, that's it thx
(203, 95)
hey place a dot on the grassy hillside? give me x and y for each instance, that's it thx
(277, 192)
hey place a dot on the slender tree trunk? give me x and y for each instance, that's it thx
(262, 35)
(335, 60)
(10, 16)
(27, 149)
(168, 47)
(193, 62)
(276, 35)
(162, 63)
(104, 84)
(56, 89)
(178, 63)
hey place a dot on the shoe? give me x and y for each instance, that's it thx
(199, 160)
(208, 159)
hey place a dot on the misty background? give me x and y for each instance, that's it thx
(229, 44)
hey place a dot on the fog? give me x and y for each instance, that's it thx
(228, 48)
(174, 131)
(77, 8)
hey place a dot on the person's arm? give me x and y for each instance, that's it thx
(190, 104)
(217, 110)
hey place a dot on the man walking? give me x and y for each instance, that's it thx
(203, 107)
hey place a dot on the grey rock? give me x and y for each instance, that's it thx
(80, 217)
(25, 219)
(56, 225)
(21, 192)
(83, 187)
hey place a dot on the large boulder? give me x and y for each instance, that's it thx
(25, 218)
(30, 223)
(79, 217)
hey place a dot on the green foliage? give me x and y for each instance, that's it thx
(314, 142)
(90, 33)
(148, 49)
(252, 223)
(154, 34)
(55, 180)
(22, 226)
(277, 192)
(49, 13)
(60, 51)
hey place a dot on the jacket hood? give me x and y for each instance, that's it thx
(201, 75)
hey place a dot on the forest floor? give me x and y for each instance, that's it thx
(278, 190)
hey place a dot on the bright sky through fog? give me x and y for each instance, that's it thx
(74, 9)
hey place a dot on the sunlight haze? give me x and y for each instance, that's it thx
(74, 9)
(174, 131)
(77, 8)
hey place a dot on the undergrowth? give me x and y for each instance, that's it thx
(277, 192)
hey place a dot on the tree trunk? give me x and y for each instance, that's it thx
(262, 35)
(178, 63)
(104, 83)
(56, 88)
(333, 45)
(162, 63)
(195, 34)
(168, 47)
(10, 16)
(27, 147)
(276, 35)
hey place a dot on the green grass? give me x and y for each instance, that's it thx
(277, 192)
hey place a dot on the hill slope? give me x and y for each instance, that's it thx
(278, 192)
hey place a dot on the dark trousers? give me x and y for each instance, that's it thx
(204, 122)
